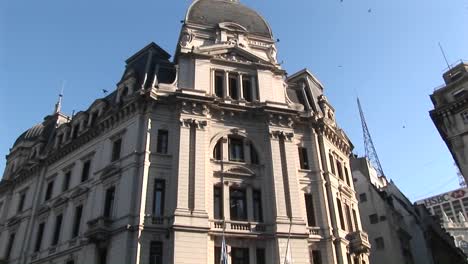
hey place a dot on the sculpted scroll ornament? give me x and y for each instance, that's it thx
(185, 38)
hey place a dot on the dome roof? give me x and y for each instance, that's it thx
(31, 134)
(213, 12)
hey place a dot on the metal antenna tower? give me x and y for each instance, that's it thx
(371, 153)
(461, 179)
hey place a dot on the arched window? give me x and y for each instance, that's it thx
(238, 151)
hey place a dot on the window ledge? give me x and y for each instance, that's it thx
(305, 170)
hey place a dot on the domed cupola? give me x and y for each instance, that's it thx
(214, 12)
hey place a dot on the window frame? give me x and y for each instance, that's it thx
(236, 149)
(237, 214)
(162, 144)
(257, 205)
(109, 201)
(86, 170)
(159, 188)
(303, 158)
(116, 149)
(57, 229)
(218, 202)
(49, 193)
(77, 221)
(39, 236)
(156, 251)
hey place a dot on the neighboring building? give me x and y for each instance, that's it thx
(399, 232)
(219, 141)
(451, 208)
(450, 114)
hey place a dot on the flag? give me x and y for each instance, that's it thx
(288, 258)
(224, 255)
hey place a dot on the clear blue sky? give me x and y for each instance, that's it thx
(388, 56)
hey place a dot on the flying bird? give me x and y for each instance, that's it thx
(370, 10)
(105, 91)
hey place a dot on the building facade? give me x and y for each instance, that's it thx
(451, 208)
(219, 142)
(450, 114)
(399, 231)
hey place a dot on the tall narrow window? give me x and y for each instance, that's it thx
(217, 255)
(339, 168)
(219, 83)
(236, 149)
(340, 213)
(102, 255)
(303, 158)
(260, 252)
(156, 252)
(40, 233)
(109, 202)
(239, 255)
(49, 190)
(77, 221)
(348, 218)
(22, 198)
(356, 224)
(94, 117)
(253, 155)
(116, 149)
(332, 163)
(11, 242)
(75, 131)
(218, 202)
(158, 199)
(316, 257)
(247, 88)
(86, 170)
(257, 206)
(233, 86)
(163, 136)
(66, 180)
(218, 151)
(348, 181)
(58, 227)
(309, 202)
(238, 204)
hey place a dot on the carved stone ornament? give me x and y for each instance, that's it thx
(272, 52)
(232, 56)
(278, 134)
(189, 122)
(185, 38)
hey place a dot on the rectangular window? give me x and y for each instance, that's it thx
(86, 170)
(379, 243)
(94, 117)
(233, 86)
(340, 169)
(40, 233)
(66, 181)
(158, 198)
(49, 190)
(22, 198)
(58, 227)
(217, 255)
(348, 181)
(373, 218)
(363, 197)
(340, 212)
(116, 149)
(102, 255)
(77, 221)
(310, 209)
(238, 204)
(316, 257)
(236, 149)
(303, 158)
(75, 131)
(156, 252)
(163, 136)
(218, 202)
(219, 83)
(59, 140)
(247, 88)
(218, 151)
(260, 252)
(253, 154)
(239, 255)
(11, 242)
(356, 223)
(332, 163)
(348, 218)
(257, 206)
(109, 202)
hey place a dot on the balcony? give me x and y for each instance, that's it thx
(237, 226)
(359, 242)
(99, 229)
(315, 232)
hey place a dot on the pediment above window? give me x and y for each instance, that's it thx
(236, 171)
(110, 171)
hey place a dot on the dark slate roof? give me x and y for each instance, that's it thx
(31, 134)
(213, 12)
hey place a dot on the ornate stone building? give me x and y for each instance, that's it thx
(218, 141)
(450, 114)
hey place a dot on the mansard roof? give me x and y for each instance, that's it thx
(213, 12)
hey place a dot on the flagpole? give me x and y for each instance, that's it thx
(223, 259)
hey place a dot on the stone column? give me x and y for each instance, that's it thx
(278, 184)
(250, 210)
(201, 156)
(253, 86)
(183, 177)
(226, 84)
(241, 87)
